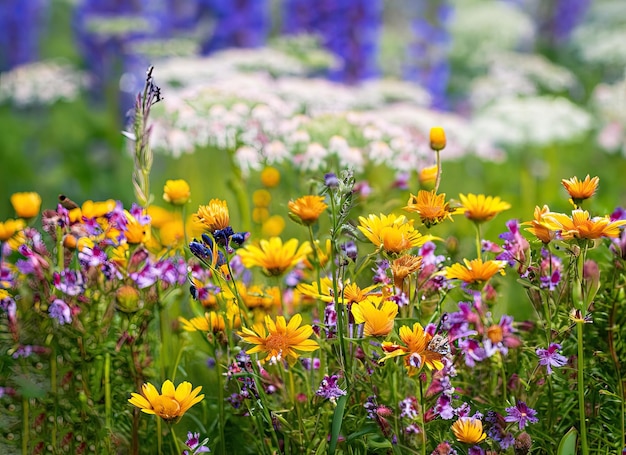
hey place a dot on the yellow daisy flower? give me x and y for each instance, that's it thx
(431, 207)
(582, 226)
(270, 177)
(210, 322)
(273, 256)
(540, 227)
(26, 205)
(468, 430)
(213, 217)
(171, 404)
(480, 208)
(579, 190)
(280, 340)
(9, 228)
(416, 350)
(403, 267)
(349, 292)
(307, 209)
(391, 233)
(176, 192)
(475, 271)
(377, 317)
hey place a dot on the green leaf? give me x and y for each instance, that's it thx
(567, 446)
(336, 425)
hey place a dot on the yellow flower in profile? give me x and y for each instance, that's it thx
(97, 209)
(307, 209)
(377, 318)
(480, 208)
(540, 226)
(274, 257)
(9, 228)
(176, 192)
(172, 234)
(349, 292)
(214, 216)
(273, 226)
(431, 207)
(582, 226)
(427, 177)
(159, 216)
(261, 198)
(437, 138)
(210, 322)
(416, 350)
(468, 430)
(403, 267)
(270, 177)
(256, 296)
(26, 205)
(171, 404)
(279, 340)
(579, 190)
(135, 232)
(475, 271)
(391, 233)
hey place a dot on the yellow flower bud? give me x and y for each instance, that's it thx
(176, 192)
(26, 205)
(437, 138)
(270, 177)
(127, 299)
(427, 177)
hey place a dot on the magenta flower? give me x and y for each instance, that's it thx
(521, 414)
(550, 357)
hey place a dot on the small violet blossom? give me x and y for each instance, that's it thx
(329, 389)
(550, 357)
(60, 311)
(521, 414)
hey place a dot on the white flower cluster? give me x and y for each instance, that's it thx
(44, 82)
(301, 121)
(480, 28)
(532, 121)
(609, 101)
(512, 74)
(600, 38)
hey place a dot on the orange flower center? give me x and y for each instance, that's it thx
(495, 334)
(166, 407)
(277, 342)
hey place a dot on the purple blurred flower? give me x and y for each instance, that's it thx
(329, 389)
(60, 311)
(550, 357)
(521, 414)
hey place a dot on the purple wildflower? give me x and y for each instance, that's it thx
(310, 364)
(521, 414)
(193, 442)
(329, 389)
(69, 282)
(550, 357)
(409, 408)
(60, 311)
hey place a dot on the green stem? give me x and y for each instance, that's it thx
(175, 439)
(423, 414)
(581, 389)
(439, 171)
(159, 437)
(25, 425)
(579, 303)
(478, 241)
(107, 392)
(53, 389)
(220, 403)
(162, 336)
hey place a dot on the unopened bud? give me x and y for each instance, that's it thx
(437, 138)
